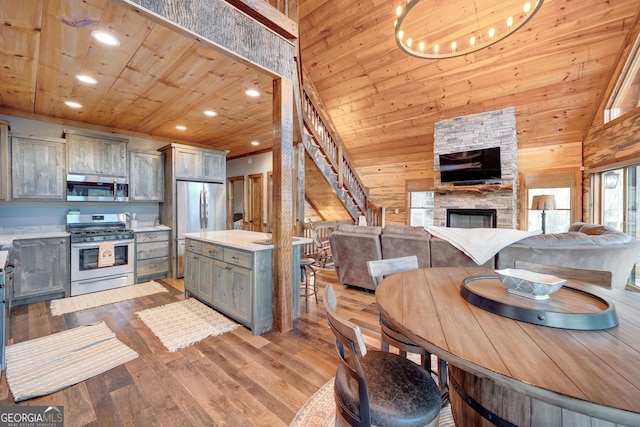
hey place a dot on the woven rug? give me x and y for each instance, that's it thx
(183, 323)
(97, 299)
(44, 365)
(320, 410)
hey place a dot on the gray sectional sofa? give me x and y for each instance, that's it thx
(583, 246)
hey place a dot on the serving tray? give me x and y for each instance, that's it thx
(569, 308)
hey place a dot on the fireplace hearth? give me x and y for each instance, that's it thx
(472, 218)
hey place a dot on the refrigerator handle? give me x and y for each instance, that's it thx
(205, 211)
(200, 210)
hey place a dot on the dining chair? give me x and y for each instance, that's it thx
(389, 335)
(376, 387)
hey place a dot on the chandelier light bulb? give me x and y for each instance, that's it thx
(482, 31)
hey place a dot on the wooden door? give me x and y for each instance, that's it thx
(255, 202)
(236, 215)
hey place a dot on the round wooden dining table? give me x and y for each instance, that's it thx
(504, 371)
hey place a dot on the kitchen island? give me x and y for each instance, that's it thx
(231, 271)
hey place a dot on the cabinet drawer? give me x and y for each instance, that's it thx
(193, 246)
(152, 236)
(242, 259)
(210, 250)
(152, 250)
(147, 267)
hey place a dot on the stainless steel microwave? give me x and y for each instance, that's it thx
(88, 188)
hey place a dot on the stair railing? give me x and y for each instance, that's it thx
(334, 153)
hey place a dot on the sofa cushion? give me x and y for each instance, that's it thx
(559, 239)
(405, 230)
(360, 229)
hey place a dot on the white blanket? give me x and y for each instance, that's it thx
(480, 244)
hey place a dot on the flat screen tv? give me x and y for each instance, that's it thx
(471, 167)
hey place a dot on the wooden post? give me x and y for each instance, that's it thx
(283, 164)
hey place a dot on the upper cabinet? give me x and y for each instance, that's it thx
(146, 176)
(96, 155)
(4, 160)
(37, 167)
(198, 164)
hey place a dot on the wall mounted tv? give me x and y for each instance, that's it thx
(471, 167)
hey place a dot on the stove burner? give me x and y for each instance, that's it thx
(97, 228)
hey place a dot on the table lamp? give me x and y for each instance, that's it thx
(543, 202)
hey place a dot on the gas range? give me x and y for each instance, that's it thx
(97, 227)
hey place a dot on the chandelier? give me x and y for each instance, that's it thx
(438, 29)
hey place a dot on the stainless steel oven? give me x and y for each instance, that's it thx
(91, 237)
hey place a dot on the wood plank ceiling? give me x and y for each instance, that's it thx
(153, 81)
(384, 103)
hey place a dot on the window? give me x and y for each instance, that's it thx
(617, 202)
(421, 207)
(557, 220)
(626, 94)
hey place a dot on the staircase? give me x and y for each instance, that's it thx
(331, 159)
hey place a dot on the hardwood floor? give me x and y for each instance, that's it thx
(234, 379)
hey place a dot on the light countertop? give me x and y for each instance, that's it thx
(241, 239)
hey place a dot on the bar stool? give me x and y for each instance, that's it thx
(306, 288)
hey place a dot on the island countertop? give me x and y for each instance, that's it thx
(241, 239)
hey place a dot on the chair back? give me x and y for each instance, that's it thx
(384, 267)
(351, 347)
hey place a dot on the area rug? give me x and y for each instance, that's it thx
(183, 323)
(97, 299)
(320, 410)
(44, 365)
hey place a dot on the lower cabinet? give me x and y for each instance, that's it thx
(152, 255)
(235, 282)
(42, 270)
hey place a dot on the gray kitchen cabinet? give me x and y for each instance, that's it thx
(220, 277)
(4, 160)
(198, 278)
(236, 282)
(152, 255)
(146, 176)
(42, 269)
(96, 155)
(199, 164)
(37, 168)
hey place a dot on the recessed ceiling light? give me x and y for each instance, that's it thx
(227, 151)
(73, 104)
(255, 143)
(252, 92)
(86, 79)
(105, 38)
(210, 113)
(180, 127)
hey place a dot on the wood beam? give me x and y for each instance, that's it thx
(283, 163)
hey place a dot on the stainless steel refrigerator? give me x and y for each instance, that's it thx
(200, 207)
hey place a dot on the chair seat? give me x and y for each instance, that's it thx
(305, 262)
(401, 393)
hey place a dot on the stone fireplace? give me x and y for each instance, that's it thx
(484, 130)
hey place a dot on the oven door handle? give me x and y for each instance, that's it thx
(97, 244)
